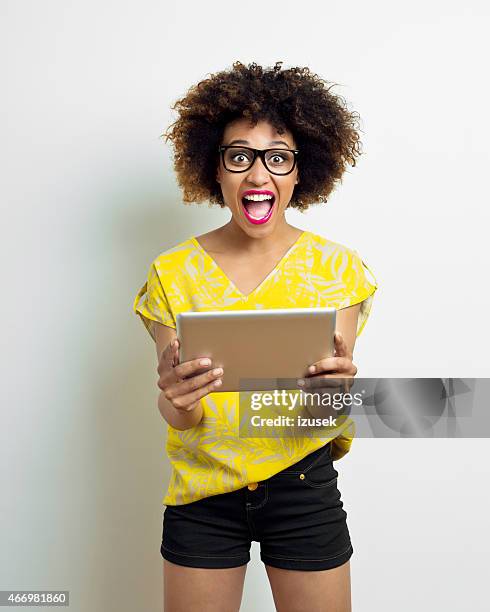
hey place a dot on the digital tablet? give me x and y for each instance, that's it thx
(258, 349)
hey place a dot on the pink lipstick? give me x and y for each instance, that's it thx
(258, 209)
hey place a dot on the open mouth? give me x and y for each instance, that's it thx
(258, 209)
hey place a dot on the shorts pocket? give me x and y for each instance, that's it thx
(321, 472)
(314, 471)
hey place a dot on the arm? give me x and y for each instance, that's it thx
(346, 324)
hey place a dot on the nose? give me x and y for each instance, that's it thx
(258, 173)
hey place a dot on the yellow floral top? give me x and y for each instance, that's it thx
(210, 458)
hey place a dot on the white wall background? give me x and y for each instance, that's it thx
(89, 199)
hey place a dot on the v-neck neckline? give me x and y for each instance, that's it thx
(274, 270)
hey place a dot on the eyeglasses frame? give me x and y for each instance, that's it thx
(258, 153)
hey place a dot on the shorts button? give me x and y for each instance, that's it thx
(302, 476)
(252, 486)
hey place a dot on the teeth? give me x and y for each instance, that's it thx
(258, 198)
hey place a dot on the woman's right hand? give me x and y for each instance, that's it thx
(181, 384)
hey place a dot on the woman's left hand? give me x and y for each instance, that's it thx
(338, 366)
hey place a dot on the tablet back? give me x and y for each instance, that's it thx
(257, 347)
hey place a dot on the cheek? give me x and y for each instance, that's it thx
(231, 188)
(230, 194)
(287, 189)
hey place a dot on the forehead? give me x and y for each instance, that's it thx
(263, 133)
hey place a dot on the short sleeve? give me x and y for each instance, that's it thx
(154, 305)
(360, 286)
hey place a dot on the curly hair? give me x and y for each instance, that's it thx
(324, 129)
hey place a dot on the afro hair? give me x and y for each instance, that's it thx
(325, 131)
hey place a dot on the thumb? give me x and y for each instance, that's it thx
(340, 345)
(174, 352)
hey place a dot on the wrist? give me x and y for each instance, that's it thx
(179, 419)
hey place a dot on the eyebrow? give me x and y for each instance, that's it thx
(272, 142)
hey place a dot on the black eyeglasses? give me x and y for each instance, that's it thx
(241, 159)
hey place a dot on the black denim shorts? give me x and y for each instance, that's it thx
(296, 515)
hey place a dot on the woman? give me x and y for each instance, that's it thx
(257, 141)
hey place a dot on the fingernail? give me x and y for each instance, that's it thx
(311, 369)
(204, 362)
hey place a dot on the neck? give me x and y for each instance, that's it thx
(235, 239)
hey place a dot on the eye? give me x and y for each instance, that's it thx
(277, 157)
(280, 158)
(239, 157)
